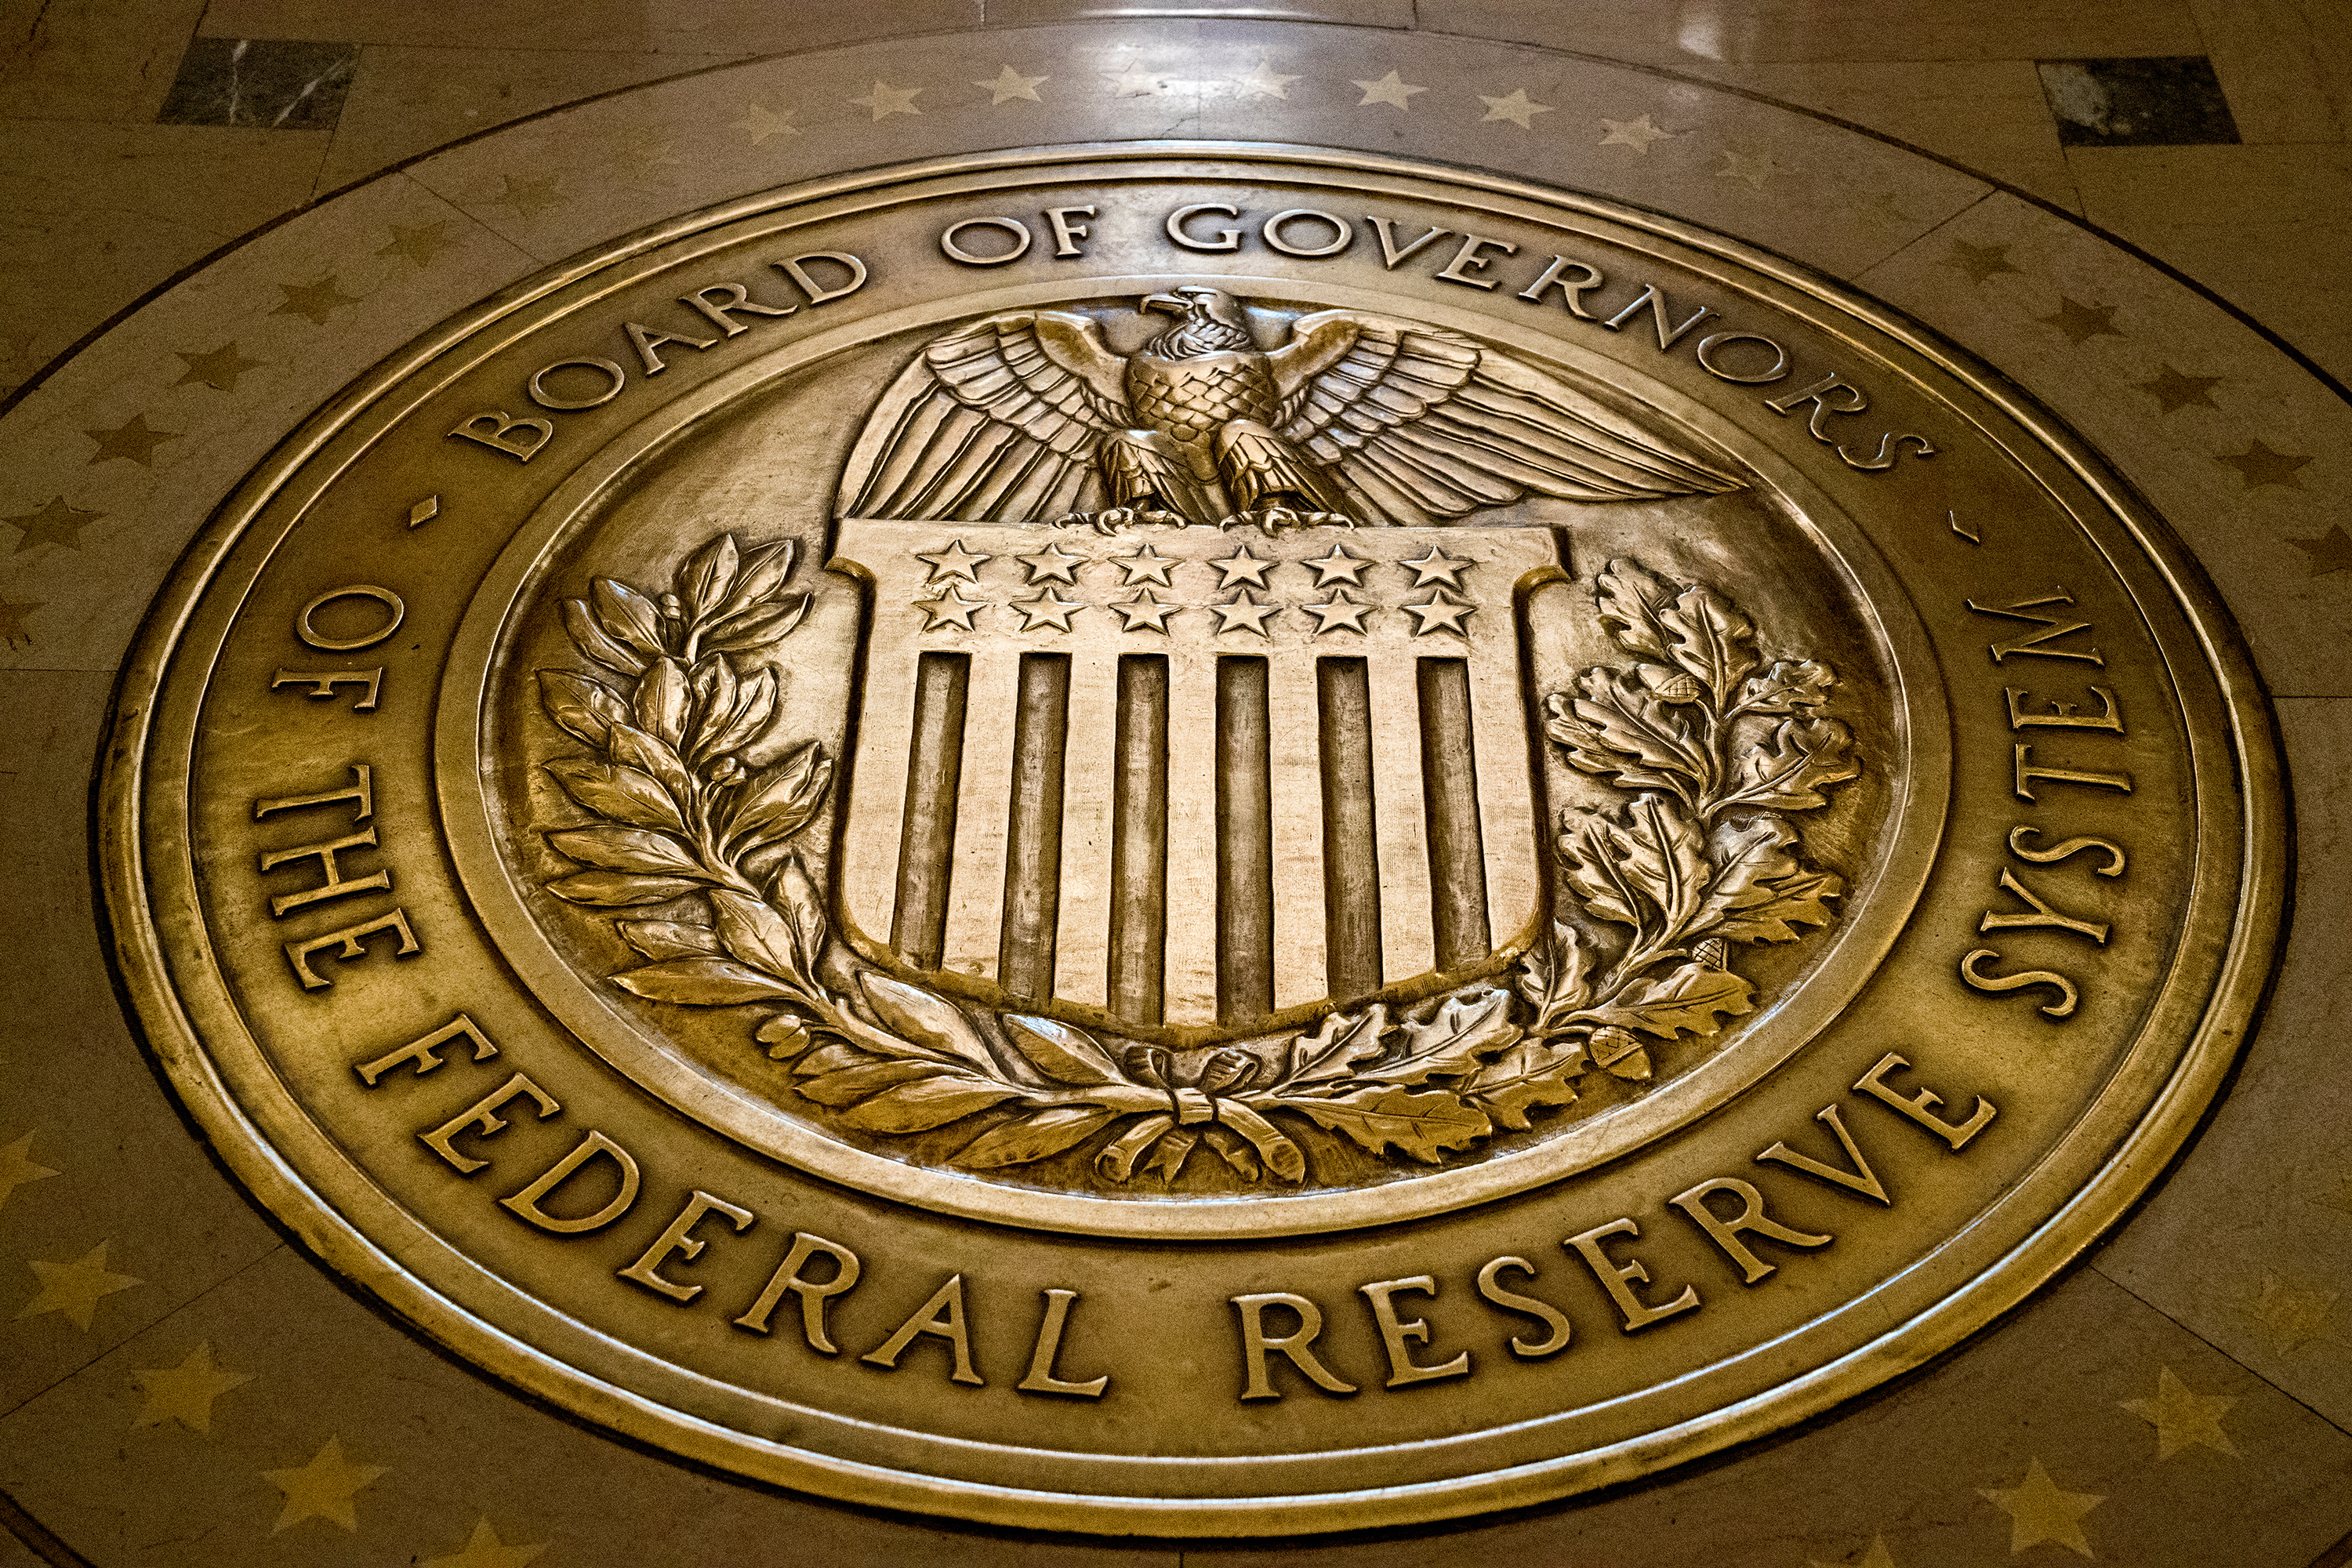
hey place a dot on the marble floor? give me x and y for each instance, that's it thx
(141, 135)
(171, 166)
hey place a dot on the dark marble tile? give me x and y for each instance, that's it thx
(268, 84)
(2173, 101)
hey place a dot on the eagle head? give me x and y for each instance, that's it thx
(1211, 322)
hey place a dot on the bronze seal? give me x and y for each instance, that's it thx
(1208, 841)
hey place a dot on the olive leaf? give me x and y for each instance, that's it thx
(1060, 1052)
(932, 1024)
(757, 933)
(623, 793)
(632, 747)
(848, 1085)
(627, 616)
(1039, 1135)
(784, 798)
(670, 939)
(757, 626)
(764, 572)
(663, 701)
(585, 707)
(701, 982)
(592, 639)
(619, 889)
(708, 576)
(920, 1104)
(794, 895)
(627, 849)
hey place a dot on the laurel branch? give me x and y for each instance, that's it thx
(686, 819)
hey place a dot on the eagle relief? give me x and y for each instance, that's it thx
(1196, 815)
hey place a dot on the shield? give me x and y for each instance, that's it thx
(1188, 781)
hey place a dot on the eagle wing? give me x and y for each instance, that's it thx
(1000, 419)
(1426, 424)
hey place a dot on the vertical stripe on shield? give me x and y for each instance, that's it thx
(1032, 847)
(1351, 865)
(1245, 842)
(1449, 777)
(1139, 854)
(927, 844)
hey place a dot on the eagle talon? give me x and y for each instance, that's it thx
(1272, 518)
(1112, 519)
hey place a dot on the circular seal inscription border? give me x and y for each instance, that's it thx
(1190, 840)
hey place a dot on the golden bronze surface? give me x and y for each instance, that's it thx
(1218, 841)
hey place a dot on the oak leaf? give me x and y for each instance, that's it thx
(1688, 1001)
(1419, 1124)
(1613, 726)
(1789, 772)
(1795, 900)
(1710, 639)
(1631, 598)
(1789, 686)
(1522, 1077)
(1342, 1044)
(1449, 1041)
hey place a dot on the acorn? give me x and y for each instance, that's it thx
(1610, 1043)
(1671, 685)
(1713, 953)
